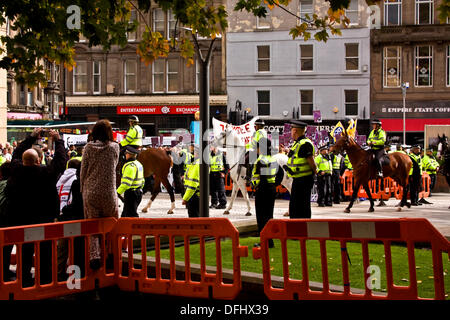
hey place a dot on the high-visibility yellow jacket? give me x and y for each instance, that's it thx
(378, 137)
(132, 176)
(216, 162)
(265, 166)
(133, 137)
(192, 180)
(299, 165)
(261, 133)
(429, 164)
(418, 160)
(347, 163)
(76, 158)
(323, 164)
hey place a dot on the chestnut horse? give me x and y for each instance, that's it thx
(155, 161)
(364, 169)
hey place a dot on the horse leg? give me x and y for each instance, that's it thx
(233, 196)
(243, 188)
(169, 188)
(367, 189)
(355, 193)
(155, 191)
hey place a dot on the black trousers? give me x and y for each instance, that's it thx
(414, 188)
(264, 204)
(133, 198)
(324, 189)
(432, 182)
(379, 153)
(300, 203)
(193, 206)
(336, 185)
(217, 186)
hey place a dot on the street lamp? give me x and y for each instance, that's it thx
(405, 85)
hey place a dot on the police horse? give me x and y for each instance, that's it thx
(234, 153)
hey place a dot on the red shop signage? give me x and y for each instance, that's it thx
(157, 109)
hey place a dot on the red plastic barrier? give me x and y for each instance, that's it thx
(364, 231)
(199, 228)
(49, 234)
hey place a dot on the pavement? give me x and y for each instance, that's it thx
(437, 213)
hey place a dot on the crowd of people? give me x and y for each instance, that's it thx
(81, 182)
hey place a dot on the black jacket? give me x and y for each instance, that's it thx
(31, 190)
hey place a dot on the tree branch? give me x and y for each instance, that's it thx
(197, 46)
(140, 13)
(293, 14)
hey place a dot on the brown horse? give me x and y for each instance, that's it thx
(156, 162)
(364, 170)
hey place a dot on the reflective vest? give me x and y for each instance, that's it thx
(347, 163)
(323, 164)
(133, 137)
(216, 163)
(267, 169)
(188, 160)
(378, 137)
(418, 160)
(299, 166)
(261, 133)
(132, 176)
(76, 158)
(192, 180)
(337, 162)
(2, 160)
(429, 164)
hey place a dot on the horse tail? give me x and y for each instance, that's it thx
(171, 162)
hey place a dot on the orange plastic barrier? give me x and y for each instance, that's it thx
(364, 231)
(199, 228)
(385, 191)
(47, 237)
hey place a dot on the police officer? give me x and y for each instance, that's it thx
(188, 156)
(376, 140)
(301, 167)
(131, 183)
(338, 169)
(251, 147)
(191, 197)
(324, 171)
(263, 181)
(218, 168)
(431, 166)
(415, 175)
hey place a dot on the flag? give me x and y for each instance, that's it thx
(337, 131)
(351, 130)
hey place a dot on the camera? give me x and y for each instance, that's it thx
(45, 133)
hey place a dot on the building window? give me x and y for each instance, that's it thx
(392, 67)
(352, 12)
(263, 58)
(131, 36)
(29, 97)
(448, 65)
(80, 77)
(8, 93)
(351, 102)
(263, 103)
(424, 11)
(392, 12)
(159, 22)
(158, 75)
(264, 23)
(172, 75)
(96, 77)
(306, 8)
(306, 102)
(351, 57)
(171, 22)
(306, 57)
(130, 76)
(424, 66)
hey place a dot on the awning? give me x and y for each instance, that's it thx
(134, 100)
(412, 125)
(23, 116)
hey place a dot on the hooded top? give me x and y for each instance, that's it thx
(64, 185)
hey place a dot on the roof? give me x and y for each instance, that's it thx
(144, 100)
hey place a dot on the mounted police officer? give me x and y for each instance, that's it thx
(324, 171)
(376, 141)
(133, 137)
(131, 183)
(263, 181)
(218, 168)
(301, 167)
(251, 147)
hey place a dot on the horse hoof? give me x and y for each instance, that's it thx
(170, 212)
(286, 214)
(408, 205)
(371, 210)
(347, 210)
(226, 212)
(248, 214)
(144, 210)
(399, 209)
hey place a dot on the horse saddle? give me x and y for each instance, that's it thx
(385, 161)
